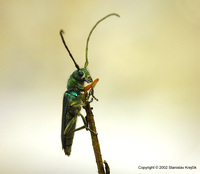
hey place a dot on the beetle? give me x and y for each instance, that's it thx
(72, 99)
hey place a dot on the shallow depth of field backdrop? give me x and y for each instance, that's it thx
(149, 90)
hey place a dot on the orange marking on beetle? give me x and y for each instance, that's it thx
(92, 85)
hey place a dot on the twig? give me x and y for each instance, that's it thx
(95, 141)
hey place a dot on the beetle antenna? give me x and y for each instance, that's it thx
(61, 34)
(86, 52)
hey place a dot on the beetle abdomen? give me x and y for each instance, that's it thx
(67, 139)
(71, 109)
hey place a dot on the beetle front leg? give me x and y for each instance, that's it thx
(91, 93)
(90, 88)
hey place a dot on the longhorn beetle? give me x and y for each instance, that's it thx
(72, 100)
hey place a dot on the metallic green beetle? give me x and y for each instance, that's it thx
(72, 100)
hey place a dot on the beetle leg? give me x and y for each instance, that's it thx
(91, 93)
(83, 127)
(86, 124)
(80, 128)
(90, 88)
(69, 125)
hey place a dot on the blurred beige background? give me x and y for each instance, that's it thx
(148, 65)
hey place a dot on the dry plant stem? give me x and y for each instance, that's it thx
(95, 141)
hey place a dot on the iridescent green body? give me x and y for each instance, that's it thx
(72, 103)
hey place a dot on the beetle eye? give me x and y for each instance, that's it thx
(80, 73)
